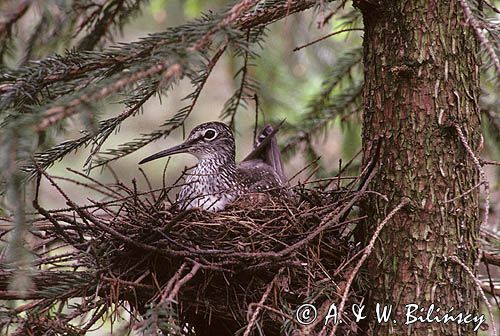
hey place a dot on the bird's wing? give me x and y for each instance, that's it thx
(267, 150)
(259, 176)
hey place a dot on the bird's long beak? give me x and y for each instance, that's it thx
(182, 148)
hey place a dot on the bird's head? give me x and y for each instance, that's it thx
(208, 140)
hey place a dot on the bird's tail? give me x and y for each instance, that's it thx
(266, 148)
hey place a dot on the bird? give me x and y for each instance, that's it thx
(217, 180)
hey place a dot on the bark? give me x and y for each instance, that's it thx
(421, 79)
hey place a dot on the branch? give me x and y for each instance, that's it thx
(183, 281)
(10, 19)
(483, 180)
(481, 292)
(490, 258)
(57, 113)
(471, 20)
(99, 22)
(325, 37)
(33, 79)
(7, 22)
(368, 250)
(169, 125)
(263, 299)
(233, 14)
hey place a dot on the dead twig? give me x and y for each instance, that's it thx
(327, 36)
(263, 299)
(366, 253)
(493, 330)
(483, 180)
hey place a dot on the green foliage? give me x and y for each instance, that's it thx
(60, 69)
(57, 23)
(248, 86)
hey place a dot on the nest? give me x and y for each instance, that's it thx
(243, 269)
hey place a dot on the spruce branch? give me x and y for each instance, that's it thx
(59, 23)
(99, 21)
(100, 137)
(340, 74)
(31, 80)
(169, 125)
(57, 113)
(340, 104)
(474, 23)
(339, 96)
(248, 86)
(45, 159)
(6, 25)
(66, 85)
(232, 15)
(118, 83)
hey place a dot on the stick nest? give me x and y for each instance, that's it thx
(243, 269)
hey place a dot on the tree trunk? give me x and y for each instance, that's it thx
(421, 82)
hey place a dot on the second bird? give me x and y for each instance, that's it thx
(217, 180)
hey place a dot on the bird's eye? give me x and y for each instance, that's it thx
(209, 134)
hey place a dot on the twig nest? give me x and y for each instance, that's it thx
(253, 201)
(214, 273)
(294, 245)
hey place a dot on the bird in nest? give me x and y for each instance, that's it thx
(217, 180)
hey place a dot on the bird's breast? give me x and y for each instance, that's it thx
(208, 189)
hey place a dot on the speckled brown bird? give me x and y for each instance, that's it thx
(217, 180)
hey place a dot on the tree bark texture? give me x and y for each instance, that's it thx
(421, 79)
